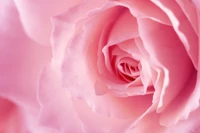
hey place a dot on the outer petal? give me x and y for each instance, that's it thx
(190, 125)
(15, 119)
(57, 110)
(69, 114)
(144, 9)
(11, 120)
(97, 123)
(21, 60)
(182, 26)
(150, 123)
(67, 25)
(190, 11)
(166, 55)
(35, 16)
(197, 4)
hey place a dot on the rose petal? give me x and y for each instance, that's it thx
(76, 114)
(197, 4)
(144, 9)
(59, 122)
(123, 29)
(104, 124)
(131, 48)
(190, 11)
(21, 59)
(115, 38)
(149, 123)
(182, 27)
(183, 104)
(15, 120)
(10, 118)
(67, 25)
(153, 34)
(53, 99)
(93, 122)
(84, 61)
(188, 100)
(151, 72)
(35, 16)
(191, 125)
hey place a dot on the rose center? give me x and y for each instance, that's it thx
(128, 69)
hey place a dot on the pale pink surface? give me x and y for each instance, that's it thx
(21, 60)
(80, 80)
(35, 14)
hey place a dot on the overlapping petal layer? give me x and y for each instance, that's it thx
(21, 61)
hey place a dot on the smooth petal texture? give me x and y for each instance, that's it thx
(35, 16)
(190, 11)
(190, 125)
(67, 25)
(187, 105)
(123, 34)
(197, 4)
(56, 106)
(21, 61)
(183, 28)
(149, 123)
(123, 29)
(94, 122)
(115, 34)
(152, 34)
(18, 120)
(76, 115)
(191, 103)
(184, 103)
(11, 120)
(150, 11)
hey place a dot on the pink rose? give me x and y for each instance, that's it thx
(116, 66)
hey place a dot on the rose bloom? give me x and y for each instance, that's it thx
(99, 66)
